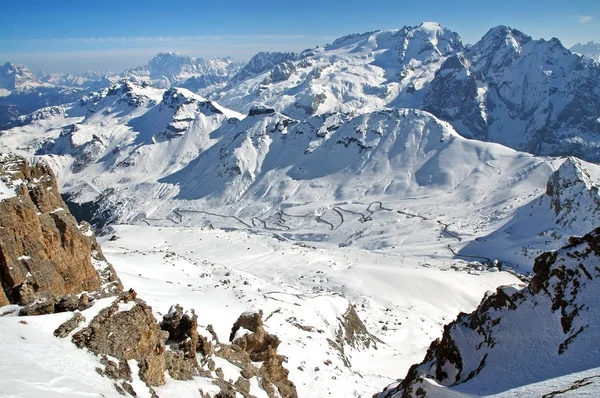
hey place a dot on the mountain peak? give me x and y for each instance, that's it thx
(568, 184)
(498, 48)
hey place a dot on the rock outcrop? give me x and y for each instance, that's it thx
(550, 328)
(127, 330)
(182, 329)
(571, 188)
(44, 253)
(250, 343)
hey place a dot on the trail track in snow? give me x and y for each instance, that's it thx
(280, 224)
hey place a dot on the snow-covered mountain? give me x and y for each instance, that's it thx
(531, 95)
(22, 92)
(140, 154)
(537, 340)
(17, 78)
(589, 49)
(356, 73)
(173, 69)
(260, 63)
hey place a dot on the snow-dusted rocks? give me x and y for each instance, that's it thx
(519, 336)
(572, 190)
(262, 62)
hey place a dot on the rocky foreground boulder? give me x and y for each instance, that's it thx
(127, 331)
(517, 337)
(46, 257)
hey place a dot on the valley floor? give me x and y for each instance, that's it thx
(302, 289)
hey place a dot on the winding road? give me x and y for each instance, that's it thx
(371, 209)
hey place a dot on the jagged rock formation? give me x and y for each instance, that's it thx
(183, 337)
(251, 343)
(544, 330)
(352, 333)
(127, 330)
(571, 189)
(539, 88)
(44, 253)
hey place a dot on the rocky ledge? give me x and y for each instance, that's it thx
(48, 262)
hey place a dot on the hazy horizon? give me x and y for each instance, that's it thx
(77, 36)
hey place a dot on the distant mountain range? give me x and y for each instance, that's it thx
(590, 49)
(530, 95)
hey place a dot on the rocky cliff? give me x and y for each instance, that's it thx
(44, 252)
(517, 337)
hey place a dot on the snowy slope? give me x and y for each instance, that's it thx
(148, 156)
(570, 206)
(518, 337)
(359, 73)
(302, 290)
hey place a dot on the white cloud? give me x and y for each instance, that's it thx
(584, 18)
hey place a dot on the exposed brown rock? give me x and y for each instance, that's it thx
(127, 331)
(183, 337)
(42, 248)
(256, 345)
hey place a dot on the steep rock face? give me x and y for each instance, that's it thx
(42, 248)
(530, 95)
(455, 94)
(549, 328)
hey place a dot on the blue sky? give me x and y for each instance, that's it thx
(66, 35)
